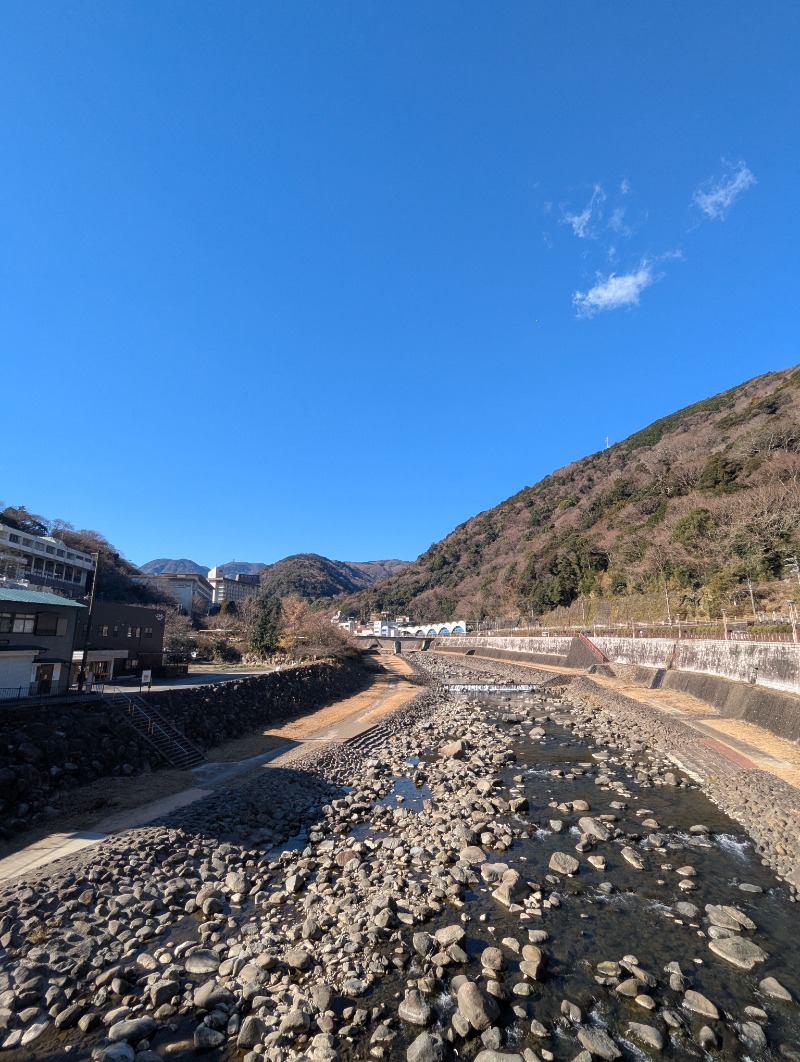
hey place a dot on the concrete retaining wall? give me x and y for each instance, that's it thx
(534, 650)
(775, 711)
(775, 665)
(47, 749)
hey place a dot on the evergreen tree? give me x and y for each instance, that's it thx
(267, 627)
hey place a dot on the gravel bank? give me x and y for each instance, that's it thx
(433, 904)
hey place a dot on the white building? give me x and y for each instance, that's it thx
(384, 628)
(43, 562)
(223, 588)
(184, 586)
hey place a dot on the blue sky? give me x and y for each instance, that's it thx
(334, 277)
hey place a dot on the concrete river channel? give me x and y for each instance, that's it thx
(486, 881)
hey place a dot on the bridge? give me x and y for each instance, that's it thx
(397, 644)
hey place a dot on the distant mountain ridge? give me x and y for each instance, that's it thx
(230, 569)
(316, 578)
(307, 575)
(168, 566)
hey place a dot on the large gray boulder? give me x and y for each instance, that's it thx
(415, 1009)
(599, 1044)
(252, 1032)
(593, 828)
(739, 952)
(207, 996)
(562, 863)
(132, 1030)
(477, 1006)
(426, 1048)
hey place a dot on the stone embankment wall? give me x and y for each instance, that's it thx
(775, 665)
(47, 749)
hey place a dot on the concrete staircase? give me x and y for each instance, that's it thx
(173, 747)
(583, 653)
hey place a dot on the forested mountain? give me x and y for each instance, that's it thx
(316, 578)
(688, 510)
(381, 569)
(165, 565)
(307, 575)
(230, 569)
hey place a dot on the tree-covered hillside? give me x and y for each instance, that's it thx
(316, 578)
(691, 508)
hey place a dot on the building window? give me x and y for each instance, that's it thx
(23, 624)
(116, 629)
(148, 632)
(14, 538)
(5, 622)
(49, 549)
(76, 577)
(137, 632)
(103, 631)
(47, 623)
(130, 632)
(59, 552)
(38, 564)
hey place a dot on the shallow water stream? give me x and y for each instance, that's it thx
(633, 914)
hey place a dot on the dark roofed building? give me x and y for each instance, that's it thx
(37, 632)
(123, 640)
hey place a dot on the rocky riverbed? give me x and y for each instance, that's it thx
(534, 880)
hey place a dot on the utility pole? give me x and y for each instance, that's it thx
(793, 617)
(725, 624)
(752, 597)
(666, 595)
(82, 672)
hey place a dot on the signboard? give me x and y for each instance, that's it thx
(147, 678)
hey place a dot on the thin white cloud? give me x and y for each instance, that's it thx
(717, 195)
(582, 224)
(617, 222)
(624, 186)
(613, 292)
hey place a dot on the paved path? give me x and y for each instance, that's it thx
(195, 678)
(208, 776)
(57, 845)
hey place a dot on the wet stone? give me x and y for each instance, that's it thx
(697, 1003)
(739, 951)
(426, 1048)
(479, 1009)
(415, 1009)
(562, 863)
(773, 988)
(647, 1035)
(599, 1044)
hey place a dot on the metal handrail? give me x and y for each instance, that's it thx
(155, 721)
